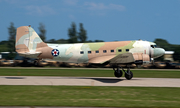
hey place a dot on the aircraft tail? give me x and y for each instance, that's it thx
(28, 41)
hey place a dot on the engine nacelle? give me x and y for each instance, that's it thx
(141, 58)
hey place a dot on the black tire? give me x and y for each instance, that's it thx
(128, 77)
(36, 63)
(118, 74)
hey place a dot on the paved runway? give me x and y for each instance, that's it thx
(89, 81)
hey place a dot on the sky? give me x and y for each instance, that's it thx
(108, 20)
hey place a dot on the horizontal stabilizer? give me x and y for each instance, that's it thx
(30, 54)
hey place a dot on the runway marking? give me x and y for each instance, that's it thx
(89, 81)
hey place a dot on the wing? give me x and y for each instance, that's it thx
(123, 58)
(101, 59)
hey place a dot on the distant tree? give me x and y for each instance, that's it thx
(163, 44)
(3, 42)
(51, 41)
(3, 46)
(42, 30)
(176, 55)
(82, 35)
(89, 41)
(62, 41)
(72, 33)
(169, 47)
(11, 41)
(98, 41)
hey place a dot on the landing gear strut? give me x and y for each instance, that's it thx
(118, 73)
(128, 74)
(36, 62)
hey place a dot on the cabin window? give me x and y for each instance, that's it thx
(89, 52)
(81, 52)
(127, 50)
(119, 50)
(112, 50)
(97, 51)
(104, 51)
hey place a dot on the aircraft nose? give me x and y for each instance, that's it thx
(158, 52)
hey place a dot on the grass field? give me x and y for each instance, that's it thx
(151, 97)
(86, 72)
(89, 96)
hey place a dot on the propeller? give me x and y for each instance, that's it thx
(150, 56)
(152, 60)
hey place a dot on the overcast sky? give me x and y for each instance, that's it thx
(108, 20)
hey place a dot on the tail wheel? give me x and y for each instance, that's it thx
(118, 73)
(128, 75)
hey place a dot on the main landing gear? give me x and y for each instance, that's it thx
(118, 73)
(36, 62)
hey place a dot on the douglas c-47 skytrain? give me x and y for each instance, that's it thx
(29, 44)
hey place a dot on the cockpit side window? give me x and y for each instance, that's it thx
(152, 46)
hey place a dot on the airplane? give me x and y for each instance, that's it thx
(29, 44)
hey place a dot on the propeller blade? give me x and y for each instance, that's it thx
(152, 59)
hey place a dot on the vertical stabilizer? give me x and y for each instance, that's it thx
(27, 40)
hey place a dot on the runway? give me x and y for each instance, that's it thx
(89, 81)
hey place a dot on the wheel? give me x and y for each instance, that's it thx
(128, 77)
(118, 74)
(36, 63)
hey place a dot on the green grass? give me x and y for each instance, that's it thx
(89, 96)
(86, 73)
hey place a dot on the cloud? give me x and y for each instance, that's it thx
(17, 2)
(30, 8)
(72, 17)
(10, 1)
(117, 7)
(95, 6)
(39, 10)
(70, 2)
(101, 6)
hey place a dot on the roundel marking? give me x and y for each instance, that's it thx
(55, 52)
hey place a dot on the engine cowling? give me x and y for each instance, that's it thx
(141, 58)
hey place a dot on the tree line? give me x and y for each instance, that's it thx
(75, 36)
